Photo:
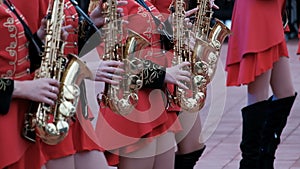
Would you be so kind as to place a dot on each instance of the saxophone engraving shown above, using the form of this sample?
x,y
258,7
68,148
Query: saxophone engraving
x,y
203,56
123,97
51,123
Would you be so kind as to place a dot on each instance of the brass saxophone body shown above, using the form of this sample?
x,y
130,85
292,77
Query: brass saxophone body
x,y
209,40
203,56
51,123
191,100
121,98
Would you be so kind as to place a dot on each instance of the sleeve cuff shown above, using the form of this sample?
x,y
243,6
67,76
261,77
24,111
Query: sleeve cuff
x,y
6,90
153,75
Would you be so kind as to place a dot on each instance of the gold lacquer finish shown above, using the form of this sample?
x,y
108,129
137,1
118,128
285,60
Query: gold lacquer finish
x,y
203,56
51,123
209,39
122,98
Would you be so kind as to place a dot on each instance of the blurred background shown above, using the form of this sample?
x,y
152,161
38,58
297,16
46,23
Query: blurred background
x,y
292,7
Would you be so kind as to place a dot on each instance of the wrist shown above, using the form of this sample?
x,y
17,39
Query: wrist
x,y
17,91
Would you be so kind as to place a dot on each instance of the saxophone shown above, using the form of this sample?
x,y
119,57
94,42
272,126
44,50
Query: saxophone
x,y
202,57
209,40
51,123
123,97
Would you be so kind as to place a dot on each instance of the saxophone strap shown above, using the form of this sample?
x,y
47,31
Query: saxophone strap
x,y
35,62
161,27
89,35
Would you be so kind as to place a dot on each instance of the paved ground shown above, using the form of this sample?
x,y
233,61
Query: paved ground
x,y
223,143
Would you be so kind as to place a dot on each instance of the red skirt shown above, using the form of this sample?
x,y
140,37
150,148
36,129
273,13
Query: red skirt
x,y
129,133
81,137
254,64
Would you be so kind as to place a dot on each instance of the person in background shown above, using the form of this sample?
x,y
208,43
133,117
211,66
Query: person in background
x,y
258,57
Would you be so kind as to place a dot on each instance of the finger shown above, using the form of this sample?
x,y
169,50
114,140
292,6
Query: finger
x,y
183,64
54,90
109,76
48,101
190,12
68,28
215,6
52,82
113,63
122,3
120,10
112,82
185,73
112,70
51,95
181,85
184,79
107,80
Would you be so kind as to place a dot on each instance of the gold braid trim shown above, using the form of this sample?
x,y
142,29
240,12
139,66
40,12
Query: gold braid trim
x,y
93,5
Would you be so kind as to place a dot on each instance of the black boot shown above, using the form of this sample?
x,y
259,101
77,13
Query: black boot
x,y
253,119
188,161
278,113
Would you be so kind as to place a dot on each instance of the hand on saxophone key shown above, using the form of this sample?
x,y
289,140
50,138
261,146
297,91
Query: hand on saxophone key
x,y
44,90
97,16
41,32
107,71
178,75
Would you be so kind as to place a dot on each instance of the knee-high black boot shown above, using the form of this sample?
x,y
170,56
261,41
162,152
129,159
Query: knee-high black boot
x,y
278,113
253,119
188,161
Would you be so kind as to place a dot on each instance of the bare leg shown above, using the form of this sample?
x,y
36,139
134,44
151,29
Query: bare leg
x,y
61,163
188,139
141,159
90,160
165,152
258,90
281,81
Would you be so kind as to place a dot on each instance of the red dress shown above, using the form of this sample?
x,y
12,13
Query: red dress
x,y
81,136
128,133
15,65
257,40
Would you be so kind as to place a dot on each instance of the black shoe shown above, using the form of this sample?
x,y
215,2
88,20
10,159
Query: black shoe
x,y
188,161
